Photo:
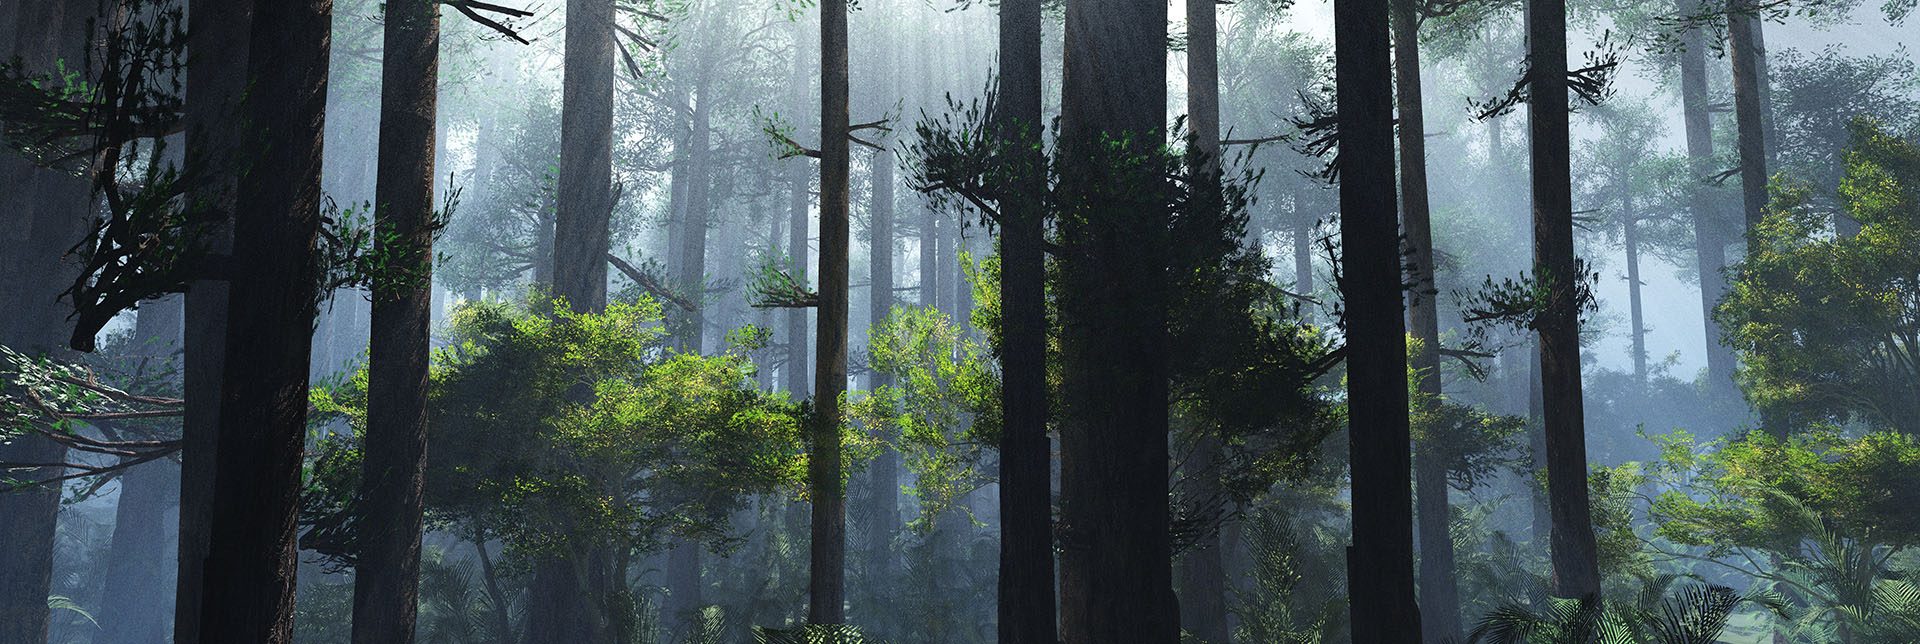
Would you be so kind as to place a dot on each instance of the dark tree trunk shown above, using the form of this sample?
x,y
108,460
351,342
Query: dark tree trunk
x,y
1439,595
1748,110
1576,571
826,585
1380,562
50,210
386,586
1203,576
252,554
581,225
1026,597
137,602
1116,560
1709,231
216,78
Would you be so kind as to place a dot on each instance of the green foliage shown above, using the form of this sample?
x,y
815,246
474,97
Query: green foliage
x,y
1660,613
1828,515
810,634
552,428
1755,491
942,409
1826,323
1297,593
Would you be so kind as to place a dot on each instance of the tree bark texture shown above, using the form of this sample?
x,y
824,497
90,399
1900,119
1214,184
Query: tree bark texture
x,y
391,500
252,552
1026,607
826,585
1439,594
216,79
1381,557
1576,571
1203,576
1116,576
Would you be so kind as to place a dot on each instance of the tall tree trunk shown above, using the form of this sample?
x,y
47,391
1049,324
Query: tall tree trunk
x,y
1439,595
1026,584
564,606
386,584
1630,235
1116,561
581,228
826,584
252,552
684,587
799,186
137,602
884,480
1576,571
1380,562
1709,231
1748,110
216,79
50,210
1203,575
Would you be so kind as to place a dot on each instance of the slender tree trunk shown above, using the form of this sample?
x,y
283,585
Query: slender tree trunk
x,y
685,596
1576,571
826,585
50,211
1026,585
1303,226
800,183
1630,235
502,620
1116,560
1381,558
216,79
137,602
884,480
1709,232
252,552
1203,575
386,584
1439,596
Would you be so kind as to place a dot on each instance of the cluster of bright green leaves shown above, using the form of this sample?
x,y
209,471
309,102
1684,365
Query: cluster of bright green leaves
x,y
551,428
1755,491
1473,443
942,410
1828,323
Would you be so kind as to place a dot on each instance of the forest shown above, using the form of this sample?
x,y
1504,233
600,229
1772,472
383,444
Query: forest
x,y
959,321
